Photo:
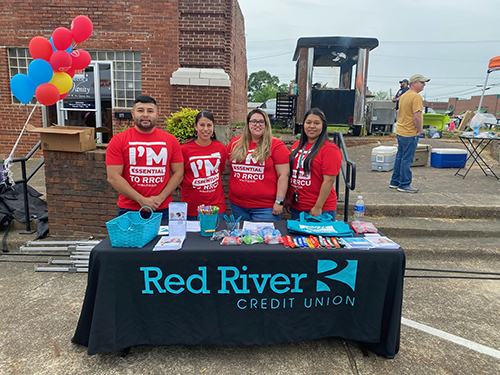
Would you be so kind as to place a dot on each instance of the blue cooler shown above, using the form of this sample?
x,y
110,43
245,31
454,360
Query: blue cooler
x,y
448,157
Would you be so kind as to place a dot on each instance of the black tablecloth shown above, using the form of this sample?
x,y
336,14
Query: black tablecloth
x,y
206,293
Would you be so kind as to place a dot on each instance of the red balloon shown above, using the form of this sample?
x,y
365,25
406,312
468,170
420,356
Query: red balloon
x,y
60,61
47,94
71,72
63,96
81,28
62,38
40,48
81,59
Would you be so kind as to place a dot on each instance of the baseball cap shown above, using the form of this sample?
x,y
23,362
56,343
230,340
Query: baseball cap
x,y
418,78
403,80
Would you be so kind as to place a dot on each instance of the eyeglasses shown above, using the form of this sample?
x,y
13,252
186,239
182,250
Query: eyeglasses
x,y
255,122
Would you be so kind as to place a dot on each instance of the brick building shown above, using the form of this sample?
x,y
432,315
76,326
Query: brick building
x,y
491,104
184,53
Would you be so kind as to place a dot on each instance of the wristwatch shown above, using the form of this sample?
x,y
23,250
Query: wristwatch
x,y
279,201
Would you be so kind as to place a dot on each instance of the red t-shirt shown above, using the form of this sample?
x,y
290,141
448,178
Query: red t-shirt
x,y
327,162
253,185
146,160
203,167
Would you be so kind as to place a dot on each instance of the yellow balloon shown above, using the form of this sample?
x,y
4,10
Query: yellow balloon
x,y
62,81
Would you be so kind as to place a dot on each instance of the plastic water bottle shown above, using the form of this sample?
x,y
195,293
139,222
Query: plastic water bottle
x,y
476,130
359,209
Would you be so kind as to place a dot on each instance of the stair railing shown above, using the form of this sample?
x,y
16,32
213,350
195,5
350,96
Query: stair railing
x,y
348,171
24,181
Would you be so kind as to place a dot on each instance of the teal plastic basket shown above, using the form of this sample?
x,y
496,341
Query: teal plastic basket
x,y
132,230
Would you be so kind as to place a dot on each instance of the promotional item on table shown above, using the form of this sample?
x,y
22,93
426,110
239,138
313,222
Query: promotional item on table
x,y
176,229
177,219
169,243
209,219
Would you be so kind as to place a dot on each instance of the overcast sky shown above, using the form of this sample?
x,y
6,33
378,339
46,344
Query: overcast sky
x,y
451,42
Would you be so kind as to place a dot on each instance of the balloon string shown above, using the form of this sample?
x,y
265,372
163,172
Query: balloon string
x,y
8,162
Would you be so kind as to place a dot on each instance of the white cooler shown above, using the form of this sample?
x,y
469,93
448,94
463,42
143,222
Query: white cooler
x,y
383,158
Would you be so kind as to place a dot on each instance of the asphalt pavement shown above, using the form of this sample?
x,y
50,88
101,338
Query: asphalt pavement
x,y
450,322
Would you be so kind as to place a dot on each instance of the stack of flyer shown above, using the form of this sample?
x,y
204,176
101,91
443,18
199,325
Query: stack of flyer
x,y
370,241
355,243
379,241
169,243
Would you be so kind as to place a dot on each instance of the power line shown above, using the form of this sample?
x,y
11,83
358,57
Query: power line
x,y
426,42
268,56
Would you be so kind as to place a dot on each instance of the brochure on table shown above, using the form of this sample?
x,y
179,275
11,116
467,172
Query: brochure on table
x,y
176,228
177,219
169,243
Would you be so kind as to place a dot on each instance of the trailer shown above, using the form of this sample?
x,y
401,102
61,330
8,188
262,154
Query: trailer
x,y
343,97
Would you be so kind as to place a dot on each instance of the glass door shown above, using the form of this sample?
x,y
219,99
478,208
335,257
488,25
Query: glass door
x,y
89,102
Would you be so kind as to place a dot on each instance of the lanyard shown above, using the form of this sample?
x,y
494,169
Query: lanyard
x,y
300,160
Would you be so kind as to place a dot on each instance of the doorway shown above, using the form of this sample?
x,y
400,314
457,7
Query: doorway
x,y
89,102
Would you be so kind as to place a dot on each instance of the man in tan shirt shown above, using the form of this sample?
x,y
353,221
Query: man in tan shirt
x,y
408,132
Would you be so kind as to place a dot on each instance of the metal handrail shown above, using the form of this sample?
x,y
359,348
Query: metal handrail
x,y
24,180
348,173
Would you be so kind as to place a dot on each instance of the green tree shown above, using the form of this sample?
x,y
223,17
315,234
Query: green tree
x,y
262,82
267,92
381,95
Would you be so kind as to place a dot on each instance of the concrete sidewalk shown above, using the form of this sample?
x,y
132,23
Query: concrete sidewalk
x,y
441,195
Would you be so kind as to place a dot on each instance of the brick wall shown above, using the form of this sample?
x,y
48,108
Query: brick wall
x,y
215,99
211,35
79,198
239,76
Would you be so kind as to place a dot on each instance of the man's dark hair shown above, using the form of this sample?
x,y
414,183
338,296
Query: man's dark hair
x,y
144,99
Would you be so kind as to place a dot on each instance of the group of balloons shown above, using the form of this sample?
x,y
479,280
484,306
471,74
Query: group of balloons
x,y
50,74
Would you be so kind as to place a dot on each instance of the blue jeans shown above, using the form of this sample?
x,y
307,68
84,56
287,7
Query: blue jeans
x,y
146,213
401,176
254,214
296,213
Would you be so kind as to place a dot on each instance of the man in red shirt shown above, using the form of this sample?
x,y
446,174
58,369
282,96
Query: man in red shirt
x,y
144,164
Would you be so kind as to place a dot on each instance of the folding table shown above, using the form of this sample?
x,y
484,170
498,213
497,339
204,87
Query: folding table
x,y
475,150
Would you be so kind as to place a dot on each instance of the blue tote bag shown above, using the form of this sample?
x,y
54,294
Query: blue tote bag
x,y
322,225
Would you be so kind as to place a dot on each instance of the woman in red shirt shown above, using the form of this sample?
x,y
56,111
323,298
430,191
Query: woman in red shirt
x,y
259,171
204,161
314,164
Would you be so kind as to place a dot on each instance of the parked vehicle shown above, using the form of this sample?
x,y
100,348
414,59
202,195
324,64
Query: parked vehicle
x,y
491,121
269,106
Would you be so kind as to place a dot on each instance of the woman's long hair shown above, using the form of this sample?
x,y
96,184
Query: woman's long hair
x,y
263,150
207,114
303,140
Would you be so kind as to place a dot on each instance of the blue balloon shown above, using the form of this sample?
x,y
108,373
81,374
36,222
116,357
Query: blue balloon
x,y
54,49
23,88
40,71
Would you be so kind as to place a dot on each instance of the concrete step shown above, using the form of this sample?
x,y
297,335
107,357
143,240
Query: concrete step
x,y
443,239
437,227
398,209
447,249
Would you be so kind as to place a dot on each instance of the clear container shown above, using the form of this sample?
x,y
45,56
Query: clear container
x,y
359,209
